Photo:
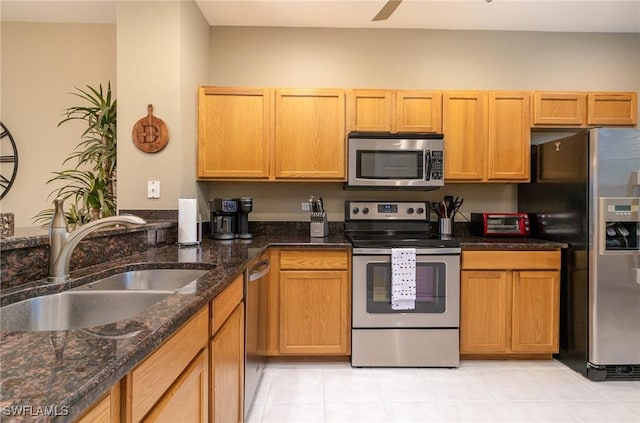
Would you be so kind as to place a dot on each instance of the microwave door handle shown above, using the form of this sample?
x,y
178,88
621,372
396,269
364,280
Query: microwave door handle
x,y
427,165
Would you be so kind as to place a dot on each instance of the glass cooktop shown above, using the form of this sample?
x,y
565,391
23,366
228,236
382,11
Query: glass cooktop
x,y
399,240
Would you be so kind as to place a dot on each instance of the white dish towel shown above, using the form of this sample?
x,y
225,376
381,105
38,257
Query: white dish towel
x,y
403,278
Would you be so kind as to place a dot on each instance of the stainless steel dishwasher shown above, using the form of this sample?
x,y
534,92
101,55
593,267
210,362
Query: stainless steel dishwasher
x,y
254,359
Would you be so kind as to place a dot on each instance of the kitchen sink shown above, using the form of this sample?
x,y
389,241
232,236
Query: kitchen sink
x,y
108,300
147,279
76,309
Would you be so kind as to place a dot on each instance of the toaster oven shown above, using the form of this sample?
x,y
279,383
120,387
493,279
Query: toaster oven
x,y
499,224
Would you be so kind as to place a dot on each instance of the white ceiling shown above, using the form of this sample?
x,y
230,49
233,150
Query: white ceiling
x,y
508,15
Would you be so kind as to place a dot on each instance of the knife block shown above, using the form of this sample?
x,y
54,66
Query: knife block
x,y
319,227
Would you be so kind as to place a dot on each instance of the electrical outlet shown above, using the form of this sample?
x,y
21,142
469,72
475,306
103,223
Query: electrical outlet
x,y
153,189
304,206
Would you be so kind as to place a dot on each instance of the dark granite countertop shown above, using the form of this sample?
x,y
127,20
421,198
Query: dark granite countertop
x,y
471,242
70,370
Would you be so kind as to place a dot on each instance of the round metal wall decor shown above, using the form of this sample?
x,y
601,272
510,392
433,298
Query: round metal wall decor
x,y
8,160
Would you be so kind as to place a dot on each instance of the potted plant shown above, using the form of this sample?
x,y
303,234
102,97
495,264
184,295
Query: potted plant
x,y
91,184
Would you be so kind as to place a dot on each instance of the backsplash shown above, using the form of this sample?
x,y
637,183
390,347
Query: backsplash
x,y
25,257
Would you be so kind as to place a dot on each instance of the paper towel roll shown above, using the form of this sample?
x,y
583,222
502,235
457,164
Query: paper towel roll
x,y
188,221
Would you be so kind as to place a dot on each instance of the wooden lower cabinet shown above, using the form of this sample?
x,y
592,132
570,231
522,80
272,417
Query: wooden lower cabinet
x,y
227,363
187,399
172,378
227,355
510,305
310,314
314,317
100,412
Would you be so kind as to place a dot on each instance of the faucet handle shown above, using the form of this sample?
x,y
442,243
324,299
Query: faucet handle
x,y
59,220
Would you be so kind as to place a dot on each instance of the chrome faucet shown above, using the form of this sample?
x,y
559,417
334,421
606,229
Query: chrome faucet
x,y
62,243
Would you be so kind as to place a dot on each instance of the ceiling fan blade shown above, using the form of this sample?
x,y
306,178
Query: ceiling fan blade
x,y
387,10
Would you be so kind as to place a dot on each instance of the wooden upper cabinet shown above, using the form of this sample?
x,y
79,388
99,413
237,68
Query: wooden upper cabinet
x,y
464,116
612,109
310,134
234,131
559,109
418,111
394,111
585,109
370,110
509,151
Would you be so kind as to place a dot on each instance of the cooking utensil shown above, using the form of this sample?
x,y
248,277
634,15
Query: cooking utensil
x,y
150,134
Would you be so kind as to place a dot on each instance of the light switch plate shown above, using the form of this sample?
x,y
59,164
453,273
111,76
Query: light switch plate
x,y
153,189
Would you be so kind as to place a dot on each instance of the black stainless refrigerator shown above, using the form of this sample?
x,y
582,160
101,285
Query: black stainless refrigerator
x,y
585,192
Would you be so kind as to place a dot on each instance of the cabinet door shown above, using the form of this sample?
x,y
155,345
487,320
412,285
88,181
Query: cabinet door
x,y
465,134
559,109
310,135
536,304
269,323
509,142
149,382
314,312
418,111
612,109
98,413
227,369
371,110
234,133
484,311
187,399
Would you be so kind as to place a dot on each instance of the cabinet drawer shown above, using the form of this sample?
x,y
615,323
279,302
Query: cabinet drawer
x,y
223,305
314,259
151,379
491,260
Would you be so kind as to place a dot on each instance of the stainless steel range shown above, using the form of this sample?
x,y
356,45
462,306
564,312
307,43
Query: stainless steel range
x,y
406,287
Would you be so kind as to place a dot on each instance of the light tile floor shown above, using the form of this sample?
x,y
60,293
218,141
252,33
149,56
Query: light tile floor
x,y
477,391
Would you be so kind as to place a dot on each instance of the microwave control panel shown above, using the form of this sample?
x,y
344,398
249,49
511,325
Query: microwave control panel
x,y
436,165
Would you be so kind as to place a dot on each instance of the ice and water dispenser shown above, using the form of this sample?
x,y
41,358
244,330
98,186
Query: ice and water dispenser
x,y
620,221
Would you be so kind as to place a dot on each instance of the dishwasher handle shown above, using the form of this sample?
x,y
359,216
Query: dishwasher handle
x,y
259,270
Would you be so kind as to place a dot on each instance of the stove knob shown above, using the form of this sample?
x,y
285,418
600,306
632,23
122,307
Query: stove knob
x,y
365,210
410,210
355,210
420,210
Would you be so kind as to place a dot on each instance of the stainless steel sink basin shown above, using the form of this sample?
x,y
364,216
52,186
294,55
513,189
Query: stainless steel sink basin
x,y
104,301
149,279
76,309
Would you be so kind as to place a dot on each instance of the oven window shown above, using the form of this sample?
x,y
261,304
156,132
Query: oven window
x,y
430,288
380,164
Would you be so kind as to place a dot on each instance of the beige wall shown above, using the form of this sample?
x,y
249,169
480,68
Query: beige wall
x,y
403,59
166,49
162,58
41,64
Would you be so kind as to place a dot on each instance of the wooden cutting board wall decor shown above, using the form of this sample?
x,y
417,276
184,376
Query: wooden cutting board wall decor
x,y
150,133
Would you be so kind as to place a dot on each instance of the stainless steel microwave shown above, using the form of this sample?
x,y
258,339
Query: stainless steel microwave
x,y
395,161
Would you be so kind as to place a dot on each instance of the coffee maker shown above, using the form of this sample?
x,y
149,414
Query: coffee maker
x,y
245,207
230,218
224,218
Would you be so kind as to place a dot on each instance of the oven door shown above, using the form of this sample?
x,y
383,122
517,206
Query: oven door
x,y
437,291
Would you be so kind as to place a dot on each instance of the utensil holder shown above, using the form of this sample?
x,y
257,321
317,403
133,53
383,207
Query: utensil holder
x,y
319,227
446,226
